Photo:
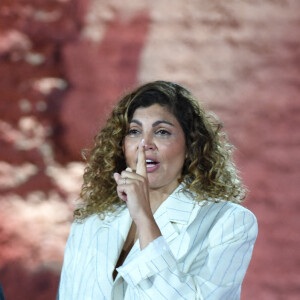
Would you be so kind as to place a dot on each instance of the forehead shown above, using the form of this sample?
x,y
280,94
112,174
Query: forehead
x,y
152,112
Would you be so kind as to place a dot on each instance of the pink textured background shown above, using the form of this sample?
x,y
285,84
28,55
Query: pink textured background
x,y
63,64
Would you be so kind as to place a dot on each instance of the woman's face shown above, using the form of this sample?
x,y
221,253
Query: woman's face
x,y
164,146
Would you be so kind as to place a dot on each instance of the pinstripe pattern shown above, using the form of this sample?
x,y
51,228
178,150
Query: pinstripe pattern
x,y
203,253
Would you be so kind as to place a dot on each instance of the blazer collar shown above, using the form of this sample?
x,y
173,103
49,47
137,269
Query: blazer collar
x,y
179,205
174,213
120,222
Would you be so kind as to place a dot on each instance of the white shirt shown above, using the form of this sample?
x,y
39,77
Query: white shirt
x,y
203,253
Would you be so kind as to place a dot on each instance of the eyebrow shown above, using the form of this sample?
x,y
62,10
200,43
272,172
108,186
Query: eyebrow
x,y
154,124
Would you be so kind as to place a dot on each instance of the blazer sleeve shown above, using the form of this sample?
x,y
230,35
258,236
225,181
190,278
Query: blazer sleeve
x,y
68,268
215,272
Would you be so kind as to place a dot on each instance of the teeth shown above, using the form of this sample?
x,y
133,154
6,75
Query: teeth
x,y
149,160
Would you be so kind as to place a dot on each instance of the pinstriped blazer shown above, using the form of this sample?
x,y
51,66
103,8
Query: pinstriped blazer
x,y
203,253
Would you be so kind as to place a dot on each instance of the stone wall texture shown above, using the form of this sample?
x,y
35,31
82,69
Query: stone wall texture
x,y
63,65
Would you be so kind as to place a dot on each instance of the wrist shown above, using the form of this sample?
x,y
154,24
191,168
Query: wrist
x,y
147,230
144,220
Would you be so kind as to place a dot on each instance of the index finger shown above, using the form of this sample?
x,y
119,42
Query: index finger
x,y
141,168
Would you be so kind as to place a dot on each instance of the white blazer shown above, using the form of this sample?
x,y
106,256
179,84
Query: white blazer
x,y
203,253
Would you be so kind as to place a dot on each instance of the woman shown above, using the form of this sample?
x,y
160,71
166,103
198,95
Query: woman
x,y
161,217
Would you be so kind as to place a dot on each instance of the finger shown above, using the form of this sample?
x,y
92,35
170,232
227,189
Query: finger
x,y
141,168
117,176
123,182
120,188
121,193
132,175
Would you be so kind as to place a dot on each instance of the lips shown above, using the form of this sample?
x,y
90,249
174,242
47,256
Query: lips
x,y
151,164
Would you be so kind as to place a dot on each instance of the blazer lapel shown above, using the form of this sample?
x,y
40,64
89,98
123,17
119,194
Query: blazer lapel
x,y
117,231
110,242
174,213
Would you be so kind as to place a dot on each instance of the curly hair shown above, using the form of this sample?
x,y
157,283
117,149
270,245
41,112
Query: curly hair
x,y
208,171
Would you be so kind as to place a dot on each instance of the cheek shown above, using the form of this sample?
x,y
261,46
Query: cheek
x,y
129,150
175,151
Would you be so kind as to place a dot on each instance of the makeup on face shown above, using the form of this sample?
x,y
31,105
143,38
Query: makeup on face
x,y
164,145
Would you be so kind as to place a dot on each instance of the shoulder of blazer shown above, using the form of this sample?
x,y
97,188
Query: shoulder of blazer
x,y
183,208
92,224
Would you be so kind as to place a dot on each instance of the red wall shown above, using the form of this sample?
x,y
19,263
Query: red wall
x,y
64,64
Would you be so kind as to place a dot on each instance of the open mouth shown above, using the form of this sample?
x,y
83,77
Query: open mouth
x,y
151,163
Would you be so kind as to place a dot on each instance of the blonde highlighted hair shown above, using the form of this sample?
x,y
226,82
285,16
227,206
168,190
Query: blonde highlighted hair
x,y
208,170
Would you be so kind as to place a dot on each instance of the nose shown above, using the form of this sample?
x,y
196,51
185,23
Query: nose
x,y
149,143
150,146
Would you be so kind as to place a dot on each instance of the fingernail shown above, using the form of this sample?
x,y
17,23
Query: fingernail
x,y
129,169
143,142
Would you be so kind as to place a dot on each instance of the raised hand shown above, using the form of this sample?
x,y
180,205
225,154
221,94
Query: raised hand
x,y
132,187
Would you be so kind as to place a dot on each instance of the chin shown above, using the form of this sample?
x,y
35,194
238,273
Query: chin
x,y
154,185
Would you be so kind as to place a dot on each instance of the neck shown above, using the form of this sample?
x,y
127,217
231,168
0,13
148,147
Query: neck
x,y
158,196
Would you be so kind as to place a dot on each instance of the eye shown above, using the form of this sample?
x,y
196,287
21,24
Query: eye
x,y
162,132
133,132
